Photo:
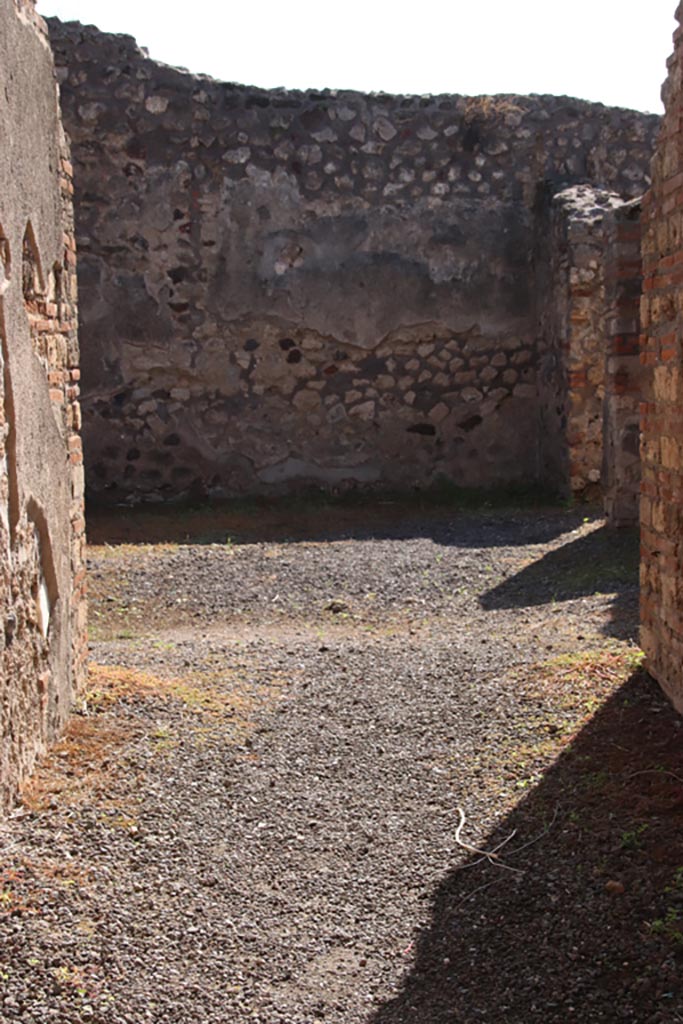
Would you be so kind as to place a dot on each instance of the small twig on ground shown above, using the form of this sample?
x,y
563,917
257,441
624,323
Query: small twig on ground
x,y
486,857
655,771
474,893
539,837
490,855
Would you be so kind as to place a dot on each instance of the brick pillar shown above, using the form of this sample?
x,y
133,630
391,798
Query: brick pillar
x,y
572,257
621,441
662,408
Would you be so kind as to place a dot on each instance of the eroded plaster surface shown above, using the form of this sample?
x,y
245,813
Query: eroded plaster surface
x,y
42,609
281,288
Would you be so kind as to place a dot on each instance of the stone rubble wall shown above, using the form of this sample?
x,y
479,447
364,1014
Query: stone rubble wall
x,y
42,565
623,372
662,416
280,288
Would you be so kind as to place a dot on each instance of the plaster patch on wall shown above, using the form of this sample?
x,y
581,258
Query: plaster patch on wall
x,y
32,280
43,606
4,468
10,429
5,270
46,592
5,262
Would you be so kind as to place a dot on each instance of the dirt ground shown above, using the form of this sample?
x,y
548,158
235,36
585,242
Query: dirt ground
x,y
368,765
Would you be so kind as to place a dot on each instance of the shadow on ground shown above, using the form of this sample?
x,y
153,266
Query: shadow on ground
x,y
472,521
601,561
604,561
586,921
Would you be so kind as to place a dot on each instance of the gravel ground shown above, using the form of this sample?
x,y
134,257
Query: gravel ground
x,y
255,815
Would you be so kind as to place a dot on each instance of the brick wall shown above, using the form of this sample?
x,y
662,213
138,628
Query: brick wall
x,y
662,408
42,538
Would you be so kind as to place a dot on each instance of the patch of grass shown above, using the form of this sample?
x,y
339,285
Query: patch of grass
x,y
22,883
489,107
670,924
631,839
122,549
528,782
108,685
568,690
125,822
669,927
73,977
84,767
676,885
89,765
583,679
163,738
200,692
596,780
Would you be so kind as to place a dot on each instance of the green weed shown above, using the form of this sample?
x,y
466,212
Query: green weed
x,y
631,840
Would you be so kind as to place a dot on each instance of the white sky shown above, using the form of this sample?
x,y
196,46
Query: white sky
x,y
614,51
